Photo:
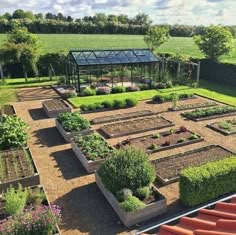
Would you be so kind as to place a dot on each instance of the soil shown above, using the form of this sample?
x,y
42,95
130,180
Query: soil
x,y
15,165
230,131
84,208
55,104
135,126
193,106
165,139
170,167
119,117
8,110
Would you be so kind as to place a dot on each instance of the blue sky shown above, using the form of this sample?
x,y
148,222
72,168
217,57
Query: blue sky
x,y
193,12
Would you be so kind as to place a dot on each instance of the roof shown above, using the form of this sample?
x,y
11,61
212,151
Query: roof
x,y
113,56
218,221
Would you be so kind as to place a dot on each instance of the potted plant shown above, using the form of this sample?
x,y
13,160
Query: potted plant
x,y
126,180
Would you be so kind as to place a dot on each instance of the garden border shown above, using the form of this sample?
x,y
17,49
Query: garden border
x,y
26,181
220,130
131,218
137,131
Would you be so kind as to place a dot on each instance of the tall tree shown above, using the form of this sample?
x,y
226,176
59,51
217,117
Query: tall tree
x,y
156,36
215,42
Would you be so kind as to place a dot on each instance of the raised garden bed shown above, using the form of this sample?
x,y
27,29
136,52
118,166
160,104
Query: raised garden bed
x,y
193,106
54,107
92,150
136,126
210,113
124,116
163,98
168,168
36,198
163,141
17,167
227,127
151,210
8,110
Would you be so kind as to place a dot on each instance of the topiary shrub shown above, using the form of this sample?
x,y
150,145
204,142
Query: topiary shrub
x,y
143,192
13,132
123,194
88,92
108,104
119,104
129,168
207,182
131,102
118,89
132,203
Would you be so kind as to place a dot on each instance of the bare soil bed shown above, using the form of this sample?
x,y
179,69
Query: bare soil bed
x,y
226,127
162,141
193,106
8,110
119,117
136,126
17,165
168,168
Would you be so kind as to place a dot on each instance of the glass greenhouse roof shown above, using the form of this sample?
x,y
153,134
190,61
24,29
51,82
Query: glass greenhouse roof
x,y
117,56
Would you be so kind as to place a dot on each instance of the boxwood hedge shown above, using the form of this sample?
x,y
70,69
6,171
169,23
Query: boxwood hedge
x,y
207,182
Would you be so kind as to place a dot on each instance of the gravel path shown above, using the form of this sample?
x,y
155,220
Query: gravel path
x,y
85,209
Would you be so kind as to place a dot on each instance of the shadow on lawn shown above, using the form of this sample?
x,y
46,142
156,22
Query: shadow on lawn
x,y
37,114
68,164
86,210
48,137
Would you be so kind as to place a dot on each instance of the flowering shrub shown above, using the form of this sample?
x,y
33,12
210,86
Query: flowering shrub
x,y
133,88
103,90
42,220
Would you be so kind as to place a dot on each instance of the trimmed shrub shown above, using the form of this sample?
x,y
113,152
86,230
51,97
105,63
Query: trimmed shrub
x,y
132,88
170,97
123,194
120,104
207,182
132,203
118,89
143,192
108,103
131,102
129,168
103,90
88,92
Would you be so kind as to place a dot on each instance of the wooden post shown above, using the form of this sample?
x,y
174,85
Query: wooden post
x,y
198,73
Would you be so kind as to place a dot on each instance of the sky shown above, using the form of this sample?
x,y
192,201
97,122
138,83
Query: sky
x,y
191,12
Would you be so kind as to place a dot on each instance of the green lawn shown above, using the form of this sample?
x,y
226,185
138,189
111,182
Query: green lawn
x,y
221,93
65,42
7,95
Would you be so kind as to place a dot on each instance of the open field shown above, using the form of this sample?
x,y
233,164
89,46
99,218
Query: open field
x,y
64,42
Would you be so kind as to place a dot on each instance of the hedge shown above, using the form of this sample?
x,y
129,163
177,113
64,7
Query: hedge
x,y
207,182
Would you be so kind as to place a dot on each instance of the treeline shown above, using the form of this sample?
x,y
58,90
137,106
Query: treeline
x,y
100,23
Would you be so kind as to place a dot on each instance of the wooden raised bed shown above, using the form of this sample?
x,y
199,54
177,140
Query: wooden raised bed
x,y
193,106
8,110
45,202
124,116
168,168
215,126
136,126
131,218
55,106
69,135
166,140
89,165
17,167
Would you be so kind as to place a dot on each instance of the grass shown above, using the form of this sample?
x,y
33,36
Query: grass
x,y
65,42
7,95
211,90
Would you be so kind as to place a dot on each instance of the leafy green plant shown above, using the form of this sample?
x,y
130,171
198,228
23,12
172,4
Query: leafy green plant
x,y
129,168
153,146
156,136
143,192
35,196
207,182
194,137
93,146
132,203
225,125
181,140
161,98
13,132
88,92
73,122
123,194
118,89
119,104
108,104
15,200
131,102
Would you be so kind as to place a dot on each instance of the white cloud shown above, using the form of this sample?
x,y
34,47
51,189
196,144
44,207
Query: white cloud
x,y
161,11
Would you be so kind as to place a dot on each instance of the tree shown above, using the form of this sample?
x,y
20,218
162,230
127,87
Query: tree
x,y
215,41
142,19
18,14
156,36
